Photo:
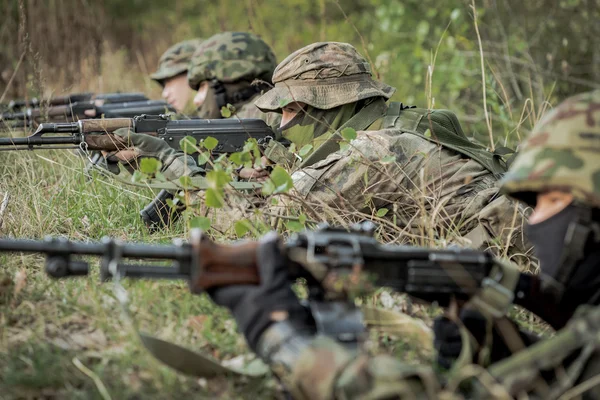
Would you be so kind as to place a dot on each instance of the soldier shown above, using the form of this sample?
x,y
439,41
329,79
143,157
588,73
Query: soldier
x,y
417,164
557,173
227,68
171,74
231,68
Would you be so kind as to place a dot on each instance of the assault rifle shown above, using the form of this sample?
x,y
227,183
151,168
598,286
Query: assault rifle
x,y
100,99
87,109
95,134
428,274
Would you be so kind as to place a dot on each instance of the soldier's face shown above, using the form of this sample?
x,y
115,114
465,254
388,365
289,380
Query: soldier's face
x,y
177,92
200,96
290,111
549,204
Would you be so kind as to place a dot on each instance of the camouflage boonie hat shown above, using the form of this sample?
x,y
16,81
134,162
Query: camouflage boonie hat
x,y
563,153
175,60
231,56
324,75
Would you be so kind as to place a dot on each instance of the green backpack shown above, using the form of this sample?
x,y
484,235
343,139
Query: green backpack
x,y
438,126
442,127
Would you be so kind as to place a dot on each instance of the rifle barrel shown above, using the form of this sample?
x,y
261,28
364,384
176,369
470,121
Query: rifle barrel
x,y
61,245
32,141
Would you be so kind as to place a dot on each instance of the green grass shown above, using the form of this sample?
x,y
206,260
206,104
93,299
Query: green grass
x,y
46,324
49,329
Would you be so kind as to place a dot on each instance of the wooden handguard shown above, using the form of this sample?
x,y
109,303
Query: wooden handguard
x,y
105,125
222,265
106,142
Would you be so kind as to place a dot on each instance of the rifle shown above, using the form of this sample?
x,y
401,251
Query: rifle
x,y
78,110
100,99
428,274
94,134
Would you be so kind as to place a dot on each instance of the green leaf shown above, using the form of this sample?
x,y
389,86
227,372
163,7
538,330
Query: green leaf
x,y
188,144
294,226
344,146
200,223
218,178
388,159
236,158
349,134
241,227
150,166
305,150
268,187
382,212
210,143
213,198
203,157
225,112
302,219
274,201
427,133
186,182
281,180
292,148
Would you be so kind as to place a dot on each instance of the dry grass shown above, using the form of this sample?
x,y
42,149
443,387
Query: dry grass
x,y
69,339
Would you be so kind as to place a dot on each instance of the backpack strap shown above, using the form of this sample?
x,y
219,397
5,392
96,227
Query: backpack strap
x,y
442,127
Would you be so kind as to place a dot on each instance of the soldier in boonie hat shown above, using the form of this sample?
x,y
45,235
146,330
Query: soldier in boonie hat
x,y
323,75
171,74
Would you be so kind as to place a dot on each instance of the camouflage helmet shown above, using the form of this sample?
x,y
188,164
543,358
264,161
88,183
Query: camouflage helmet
x,y
231,56
324,75
563,153
175,60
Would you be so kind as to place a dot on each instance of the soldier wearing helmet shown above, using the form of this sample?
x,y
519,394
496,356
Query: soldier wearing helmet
x,y
230,68
557,173
171,74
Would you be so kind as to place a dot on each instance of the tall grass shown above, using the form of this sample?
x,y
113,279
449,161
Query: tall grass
x,y
68,339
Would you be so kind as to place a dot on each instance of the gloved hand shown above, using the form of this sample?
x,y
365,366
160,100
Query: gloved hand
x,y
447,338
256,307
175,163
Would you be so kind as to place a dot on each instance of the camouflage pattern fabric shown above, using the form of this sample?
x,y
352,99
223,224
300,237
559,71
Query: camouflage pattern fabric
x,y
229,57
249,110
420,186
324,75
326,370
562,153
175,60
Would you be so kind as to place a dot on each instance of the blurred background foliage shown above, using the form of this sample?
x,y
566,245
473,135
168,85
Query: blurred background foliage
x,y
535,52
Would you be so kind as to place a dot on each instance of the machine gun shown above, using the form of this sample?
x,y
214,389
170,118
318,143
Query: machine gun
x,y
95,134
86,109
428,274
99,98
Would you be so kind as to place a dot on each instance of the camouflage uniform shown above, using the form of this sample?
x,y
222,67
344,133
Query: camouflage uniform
x,y
175,60
237,66
563,154
424,186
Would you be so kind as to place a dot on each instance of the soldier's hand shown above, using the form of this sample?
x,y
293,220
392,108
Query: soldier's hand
x,y
448,340
256,307
175,163
260,173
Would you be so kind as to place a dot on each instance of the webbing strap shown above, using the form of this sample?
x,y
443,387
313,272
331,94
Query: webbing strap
x,y
419,121
360,121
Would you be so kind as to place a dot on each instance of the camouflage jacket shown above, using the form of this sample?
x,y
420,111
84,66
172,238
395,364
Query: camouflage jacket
x,y
413,186
566,365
